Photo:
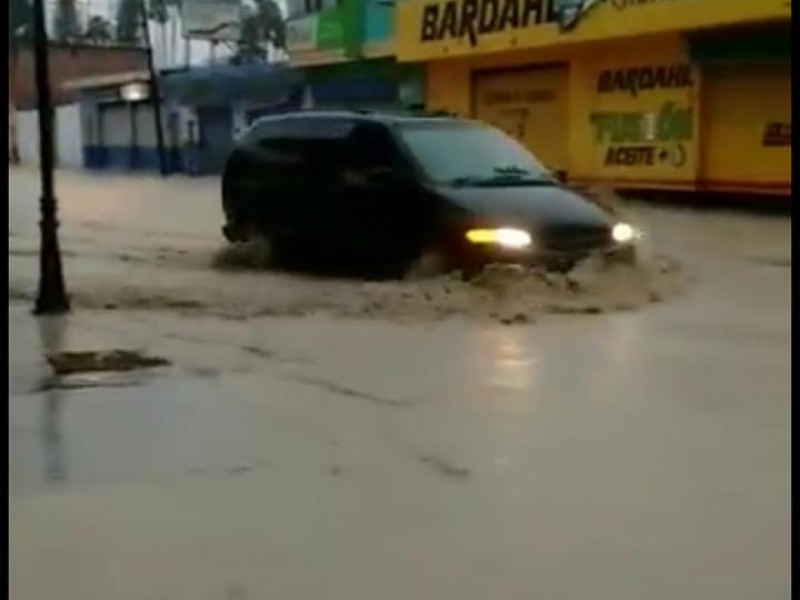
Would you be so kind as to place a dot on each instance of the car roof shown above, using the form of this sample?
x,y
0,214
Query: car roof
x,y
383,116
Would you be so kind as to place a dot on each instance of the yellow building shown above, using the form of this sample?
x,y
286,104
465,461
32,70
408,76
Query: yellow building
x,y
668,94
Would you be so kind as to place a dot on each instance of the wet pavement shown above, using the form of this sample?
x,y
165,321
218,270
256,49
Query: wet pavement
x,y
620,456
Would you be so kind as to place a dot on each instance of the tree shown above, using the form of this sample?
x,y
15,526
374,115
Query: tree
x,y
260,24
66,25
158,10
271,23
129,21
98,30
249,49
20,23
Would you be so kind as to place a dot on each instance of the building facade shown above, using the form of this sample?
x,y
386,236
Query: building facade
x,y
654,94
202,112
117,123
346,51
217,103
67,62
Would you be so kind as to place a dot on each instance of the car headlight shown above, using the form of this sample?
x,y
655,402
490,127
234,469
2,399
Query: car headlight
x,y
624,233
507,237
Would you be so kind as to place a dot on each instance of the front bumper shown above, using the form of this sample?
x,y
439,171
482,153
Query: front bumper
x,y
474,257
555,248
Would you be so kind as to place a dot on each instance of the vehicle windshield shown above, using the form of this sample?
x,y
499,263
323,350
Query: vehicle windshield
x,y
472,154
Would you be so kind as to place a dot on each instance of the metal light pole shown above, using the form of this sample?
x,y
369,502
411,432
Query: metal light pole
x,y
52,297
155,93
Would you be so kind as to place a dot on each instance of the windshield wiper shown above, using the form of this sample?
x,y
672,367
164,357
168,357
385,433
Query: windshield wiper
x,y
511,171
504,179
467,180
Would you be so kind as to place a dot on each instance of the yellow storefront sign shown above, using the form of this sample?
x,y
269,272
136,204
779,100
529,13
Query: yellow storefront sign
x,y
431,29
635,121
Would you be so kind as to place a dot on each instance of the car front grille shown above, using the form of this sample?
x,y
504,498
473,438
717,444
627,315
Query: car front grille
x,y
574,239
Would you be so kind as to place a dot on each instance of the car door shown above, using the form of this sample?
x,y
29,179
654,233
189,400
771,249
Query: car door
x,y
293,179
273,175
316,205
379,211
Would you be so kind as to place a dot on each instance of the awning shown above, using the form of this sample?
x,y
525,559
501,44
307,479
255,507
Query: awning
x,y
101,81
354,90
769,43
275,106
373,81
223,84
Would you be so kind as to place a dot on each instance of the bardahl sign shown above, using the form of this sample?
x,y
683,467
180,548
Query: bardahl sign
x,y
644,78
456,19
626,4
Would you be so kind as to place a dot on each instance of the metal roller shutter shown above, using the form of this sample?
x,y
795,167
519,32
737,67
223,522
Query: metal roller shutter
x,y
746,135
116,133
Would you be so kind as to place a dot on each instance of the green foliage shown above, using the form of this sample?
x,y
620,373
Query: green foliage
x,y
158,10
65,22
20,22
262,24
98,30
272,25
129,21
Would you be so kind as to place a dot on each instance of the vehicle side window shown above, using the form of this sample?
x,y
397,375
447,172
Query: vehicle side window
x,y
371,146
282,150
315,145
302,128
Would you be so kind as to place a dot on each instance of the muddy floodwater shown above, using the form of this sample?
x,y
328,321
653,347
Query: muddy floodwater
x,y
617,434
138,249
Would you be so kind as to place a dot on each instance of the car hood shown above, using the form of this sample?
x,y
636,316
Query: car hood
x,y
542,206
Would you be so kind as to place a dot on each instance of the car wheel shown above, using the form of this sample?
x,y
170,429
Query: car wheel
x,y
429,264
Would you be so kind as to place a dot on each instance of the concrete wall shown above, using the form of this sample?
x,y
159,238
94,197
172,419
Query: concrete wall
x,y
28,136
68,136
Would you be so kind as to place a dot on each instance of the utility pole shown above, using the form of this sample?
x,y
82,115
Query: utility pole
x,y
155,94
52,297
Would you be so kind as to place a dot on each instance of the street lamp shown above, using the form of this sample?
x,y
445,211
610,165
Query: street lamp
x,y
52,297
155,96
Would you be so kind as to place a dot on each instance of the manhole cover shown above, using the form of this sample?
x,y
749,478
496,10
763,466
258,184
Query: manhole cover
x,y
68,363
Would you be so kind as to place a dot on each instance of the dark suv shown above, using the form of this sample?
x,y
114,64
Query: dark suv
x,y
406,193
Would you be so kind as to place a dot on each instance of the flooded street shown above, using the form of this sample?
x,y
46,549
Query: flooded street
x,y
325,438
